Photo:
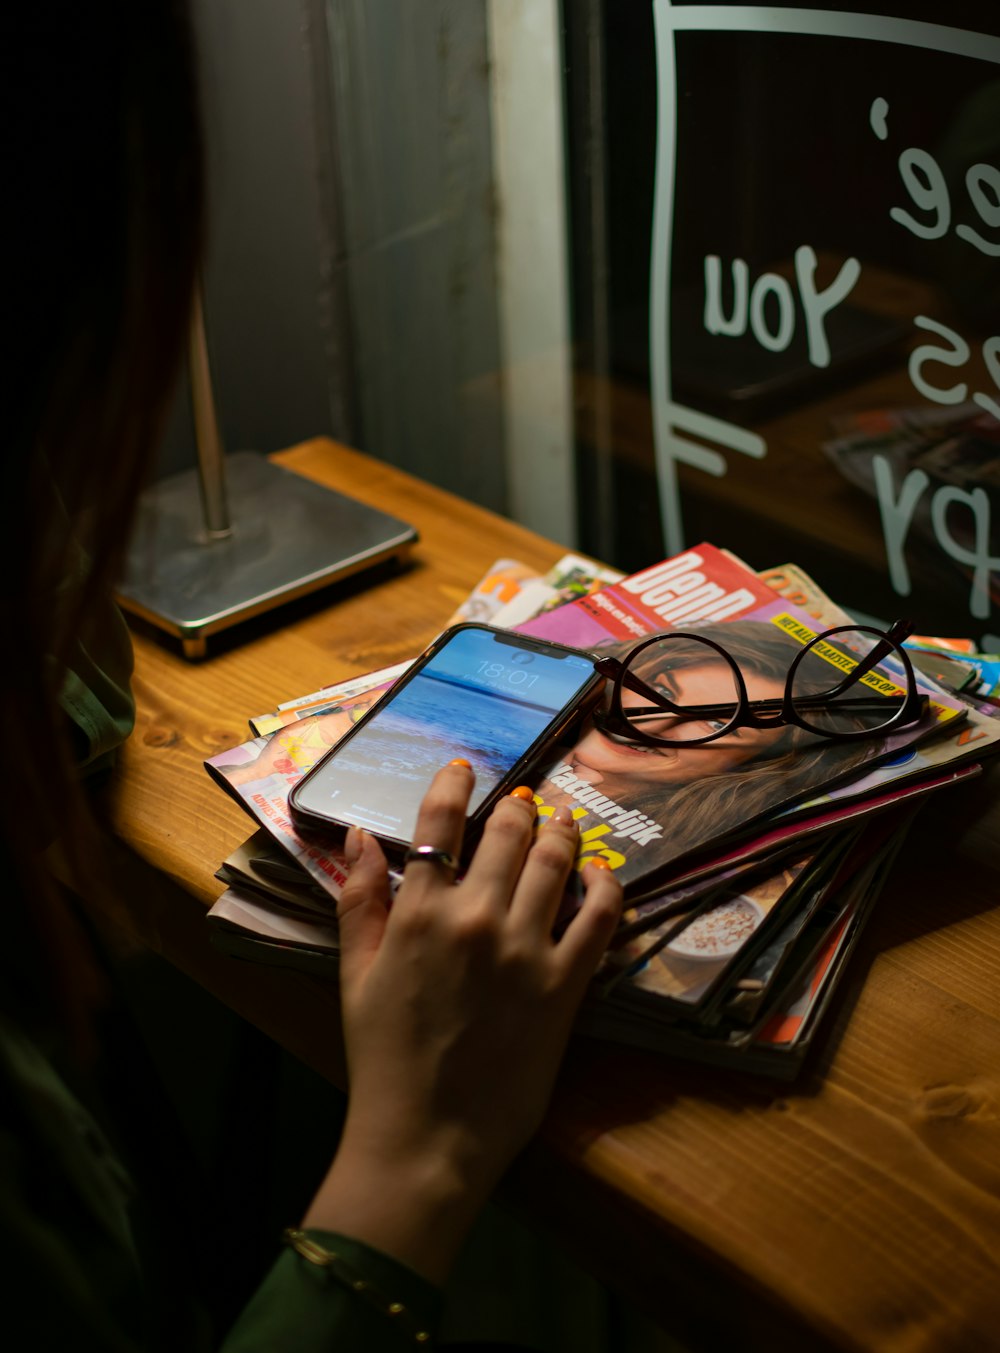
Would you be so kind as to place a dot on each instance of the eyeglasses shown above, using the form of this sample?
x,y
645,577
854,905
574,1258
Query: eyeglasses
x,y
691,690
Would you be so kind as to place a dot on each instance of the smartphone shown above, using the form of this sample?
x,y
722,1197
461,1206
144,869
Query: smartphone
x,y
496,698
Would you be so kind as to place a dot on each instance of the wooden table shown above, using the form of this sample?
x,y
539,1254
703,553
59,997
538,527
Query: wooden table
x,y
858,1209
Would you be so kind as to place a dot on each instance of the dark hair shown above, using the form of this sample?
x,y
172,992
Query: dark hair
x,y
791,765
103,163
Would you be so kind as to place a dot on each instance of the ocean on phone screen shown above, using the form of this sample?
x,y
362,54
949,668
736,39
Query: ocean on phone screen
x,y
432,721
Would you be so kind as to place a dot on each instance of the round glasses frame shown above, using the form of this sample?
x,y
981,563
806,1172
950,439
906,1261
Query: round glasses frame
x,y
772,713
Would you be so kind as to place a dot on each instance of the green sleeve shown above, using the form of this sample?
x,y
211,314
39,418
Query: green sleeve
x,y
71,1274
302,1308
96,692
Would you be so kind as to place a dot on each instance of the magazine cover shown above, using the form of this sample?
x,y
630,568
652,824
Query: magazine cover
x,y
573,577
259,774
643,809
498,587
682,959
699,585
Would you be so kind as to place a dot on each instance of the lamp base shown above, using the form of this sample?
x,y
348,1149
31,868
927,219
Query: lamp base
x,y
289,537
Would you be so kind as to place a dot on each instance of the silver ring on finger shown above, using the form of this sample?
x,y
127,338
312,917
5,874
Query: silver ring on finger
x,y
433,855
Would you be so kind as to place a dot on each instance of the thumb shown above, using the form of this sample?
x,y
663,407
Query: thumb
x,y
363,905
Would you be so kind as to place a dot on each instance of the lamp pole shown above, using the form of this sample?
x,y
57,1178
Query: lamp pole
x,y
239,535
211,455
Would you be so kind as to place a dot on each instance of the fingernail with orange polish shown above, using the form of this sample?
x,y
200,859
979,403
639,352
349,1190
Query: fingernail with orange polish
x,y
461,761
523,792
598,863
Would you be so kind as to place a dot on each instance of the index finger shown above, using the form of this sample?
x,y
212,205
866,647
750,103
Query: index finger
x,y
441,819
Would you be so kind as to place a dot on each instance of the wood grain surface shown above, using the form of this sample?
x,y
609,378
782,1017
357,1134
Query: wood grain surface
x,y
857,1209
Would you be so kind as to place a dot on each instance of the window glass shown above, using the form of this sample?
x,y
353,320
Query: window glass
x,y
785,231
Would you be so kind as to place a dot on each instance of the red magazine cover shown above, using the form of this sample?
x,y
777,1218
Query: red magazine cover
x,y
702,584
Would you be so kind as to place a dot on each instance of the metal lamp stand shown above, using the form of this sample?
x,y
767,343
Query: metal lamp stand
x,y
239,535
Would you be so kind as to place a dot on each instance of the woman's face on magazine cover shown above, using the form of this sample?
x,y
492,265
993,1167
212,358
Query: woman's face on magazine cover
x,y
597,755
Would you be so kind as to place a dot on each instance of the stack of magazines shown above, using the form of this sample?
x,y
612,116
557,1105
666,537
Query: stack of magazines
x,y
749,863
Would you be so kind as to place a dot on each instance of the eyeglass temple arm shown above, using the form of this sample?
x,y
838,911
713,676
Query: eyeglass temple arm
x,y
638,715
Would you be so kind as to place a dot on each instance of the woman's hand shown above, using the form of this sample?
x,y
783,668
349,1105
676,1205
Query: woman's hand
x,y
457,1005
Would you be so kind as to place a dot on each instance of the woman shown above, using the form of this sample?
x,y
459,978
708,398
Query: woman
x,y
458,996
697,792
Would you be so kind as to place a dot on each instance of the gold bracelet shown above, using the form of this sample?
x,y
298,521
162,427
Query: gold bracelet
x,y
339,1267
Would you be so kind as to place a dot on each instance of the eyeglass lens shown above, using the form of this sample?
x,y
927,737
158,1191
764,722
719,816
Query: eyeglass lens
x,y
833,694
691,690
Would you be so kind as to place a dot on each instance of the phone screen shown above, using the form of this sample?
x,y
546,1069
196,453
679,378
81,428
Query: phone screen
x,y
482,696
